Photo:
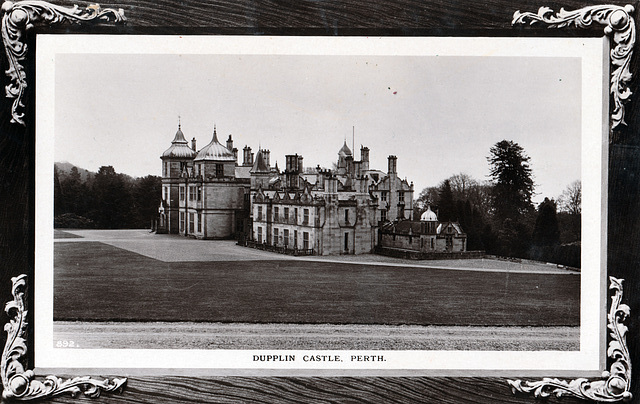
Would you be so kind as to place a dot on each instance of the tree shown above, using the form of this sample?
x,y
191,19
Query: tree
x,y
513,180
462,185
571,199
147,193
446,203
570,212
545,232
112,199
427,197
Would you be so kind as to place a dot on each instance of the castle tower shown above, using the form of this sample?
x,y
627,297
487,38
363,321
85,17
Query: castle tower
x,y
176,161
215,160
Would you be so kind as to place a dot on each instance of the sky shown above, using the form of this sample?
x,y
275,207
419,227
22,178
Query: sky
x,y
438,115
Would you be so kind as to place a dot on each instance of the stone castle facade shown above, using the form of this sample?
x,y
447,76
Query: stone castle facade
x,y
209,194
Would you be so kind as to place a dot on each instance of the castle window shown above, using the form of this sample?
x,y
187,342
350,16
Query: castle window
x,y
305,221
346,217
199,194
383,215
192,193
191,222
276,213
199,222
295,215
166,193
259,234
275,236
295,239
219,170
286,237
286,214
400,196
259,213
346,241
383,195
432,244
181,221
182,192
305,240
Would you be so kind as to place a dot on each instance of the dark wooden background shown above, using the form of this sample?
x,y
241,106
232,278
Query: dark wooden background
x,y
319,17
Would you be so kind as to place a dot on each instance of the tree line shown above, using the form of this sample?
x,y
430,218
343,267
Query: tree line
x,y
105,200
498,215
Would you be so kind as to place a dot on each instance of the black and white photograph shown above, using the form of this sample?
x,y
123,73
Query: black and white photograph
x,y
359,200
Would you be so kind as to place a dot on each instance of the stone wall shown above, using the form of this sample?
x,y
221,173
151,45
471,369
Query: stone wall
x,y
417,255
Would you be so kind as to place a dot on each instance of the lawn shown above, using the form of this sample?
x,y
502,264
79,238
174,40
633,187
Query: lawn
x,y
95,281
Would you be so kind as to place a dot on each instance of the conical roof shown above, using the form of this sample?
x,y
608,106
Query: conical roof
x,y
260,165
215,151
179,147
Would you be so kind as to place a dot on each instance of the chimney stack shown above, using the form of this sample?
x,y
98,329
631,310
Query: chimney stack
x,y
393,165
364,154
246,156
193,144
230,143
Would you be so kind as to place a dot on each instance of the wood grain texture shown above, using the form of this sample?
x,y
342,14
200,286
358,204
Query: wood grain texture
x,y
314,390
336,17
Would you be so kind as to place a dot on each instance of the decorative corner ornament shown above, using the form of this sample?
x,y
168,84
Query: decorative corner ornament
x,y
619,26
20,384
616,385
22,16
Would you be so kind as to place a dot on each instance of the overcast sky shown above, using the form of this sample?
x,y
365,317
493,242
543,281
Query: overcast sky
x,y
438,115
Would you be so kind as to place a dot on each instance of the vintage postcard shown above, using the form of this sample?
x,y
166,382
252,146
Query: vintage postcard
x,y
304,204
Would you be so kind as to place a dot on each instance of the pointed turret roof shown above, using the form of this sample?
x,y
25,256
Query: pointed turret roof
x,y
179,147
345,151
215,151
260,165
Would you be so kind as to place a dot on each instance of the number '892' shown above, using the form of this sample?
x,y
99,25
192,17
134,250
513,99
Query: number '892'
x,y
66,344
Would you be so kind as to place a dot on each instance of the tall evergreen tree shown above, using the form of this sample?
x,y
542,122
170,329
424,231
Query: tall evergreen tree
x,y
512,209
446,204
513,180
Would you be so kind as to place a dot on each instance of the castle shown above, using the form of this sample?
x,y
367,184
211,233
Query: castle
x,y
209,194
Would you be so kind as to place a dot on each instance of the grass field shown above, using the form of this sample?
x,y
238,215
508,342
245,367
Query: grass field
x,y
94,281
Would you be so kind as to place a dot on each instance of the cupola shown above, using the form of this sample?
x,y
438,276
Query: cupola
x,y
215,151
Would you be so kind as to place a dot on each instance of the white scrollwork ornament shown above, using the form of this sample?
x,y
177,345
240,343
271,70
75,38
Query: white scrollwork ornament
x,y
22,385
616,383
619,26
22,16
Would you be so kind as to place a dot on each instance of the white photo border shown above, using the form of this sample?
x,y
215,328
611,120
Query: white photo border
x,y
590,361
